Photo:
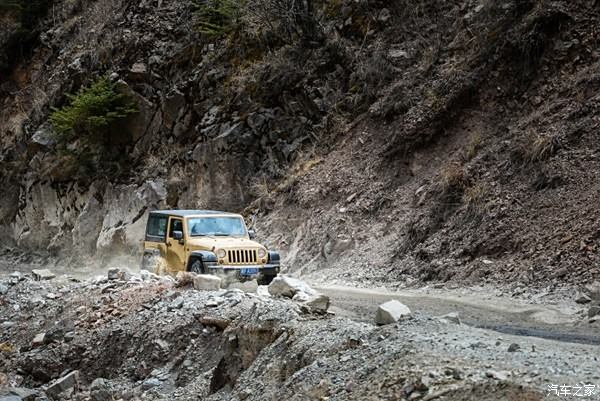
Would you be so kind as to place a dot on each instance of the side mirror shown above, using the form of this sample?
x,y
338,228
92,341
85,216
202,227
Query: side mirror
x,y
178,235
251,234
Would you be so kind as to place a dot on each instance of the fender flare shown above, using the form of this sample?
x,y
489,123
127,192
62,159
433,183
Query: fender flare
x,y
204,256
274,257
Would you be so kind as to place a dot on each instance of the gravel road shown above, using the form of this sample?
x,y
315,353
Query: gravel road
x,y
508,316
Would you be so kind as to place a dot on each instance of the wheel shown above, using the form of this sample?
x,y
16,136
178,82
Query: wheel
x,y
196,266
266,280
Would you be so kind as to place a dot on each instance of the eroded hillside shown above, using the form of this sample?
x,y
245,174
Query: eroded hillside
x,y
371,141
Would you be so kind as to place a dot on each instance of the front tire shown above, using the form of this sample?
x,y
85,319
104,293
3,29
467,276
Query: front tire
x,y
196,266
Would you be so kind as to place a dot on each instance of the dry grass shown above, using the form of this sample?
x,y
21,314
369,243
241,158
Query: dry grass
x,y
453,177
297,171
474,197
537,147
472,147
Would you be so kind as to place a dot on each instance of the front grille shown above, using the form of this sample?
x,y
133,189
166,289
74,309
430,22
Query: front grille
x,y
242,256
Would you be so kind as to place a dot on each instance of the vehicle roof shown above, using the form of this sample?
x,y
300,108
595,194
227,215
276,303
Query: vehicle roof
x,y
184,213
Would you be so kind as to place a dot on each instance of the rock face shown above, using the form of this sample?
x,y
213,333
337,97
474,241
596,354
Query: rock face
x,y
391,312
207,282
182,107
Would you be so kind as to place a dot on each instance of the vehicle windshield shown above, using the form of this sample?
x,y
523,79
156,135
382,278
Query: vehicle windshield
x,y
216,226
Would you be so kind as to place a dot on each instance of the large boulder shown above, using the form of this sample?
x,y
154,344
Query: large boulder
x,y
283,286
42,274
207,282
318,303
391,312
67,382
299,291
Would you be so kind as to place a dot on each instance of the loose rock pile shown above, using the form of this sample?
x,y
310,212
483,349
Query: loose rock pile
x,y
124,336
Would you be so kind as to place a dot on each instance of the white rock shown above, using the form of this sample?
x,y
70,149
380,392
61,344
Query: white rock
x,y
43,274
246,286
39,339
301,296
148,276
283,286
501,375
207,282
391,312
453,317
263,291
318,303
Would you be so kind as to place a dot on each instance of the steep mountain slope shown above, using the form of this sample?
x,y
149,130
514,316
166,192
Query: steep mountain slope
x,y
374,141
482,168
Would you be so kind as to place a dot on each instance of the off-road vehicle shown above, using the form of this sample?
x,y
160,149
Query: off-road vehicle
x,y
206,242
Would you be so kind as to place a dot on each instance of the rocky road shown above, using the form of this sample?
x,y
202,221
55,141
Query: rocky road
x,y
558,321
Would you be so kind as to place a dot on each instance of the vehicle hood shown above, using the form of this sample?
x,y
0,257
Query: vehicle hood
x,y
210,243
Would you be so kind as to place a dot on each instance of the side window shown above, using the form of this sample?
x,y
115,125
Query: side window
x,y
157,228
176,225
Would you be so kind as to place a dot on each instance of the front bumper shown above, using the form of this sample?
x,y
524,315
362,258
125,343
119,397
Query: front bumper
x,y
236,270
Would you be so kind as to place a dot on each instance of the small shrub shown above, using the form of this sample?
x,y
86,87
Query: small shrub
x,y
90,113
217,17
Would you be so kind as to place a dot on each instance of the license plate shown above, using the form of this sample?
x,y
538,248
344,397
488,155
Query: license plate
x,y
248,271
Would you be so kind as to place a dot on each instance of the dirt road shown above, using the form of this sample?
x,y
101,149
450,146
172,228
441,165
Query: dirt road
x,y
507,316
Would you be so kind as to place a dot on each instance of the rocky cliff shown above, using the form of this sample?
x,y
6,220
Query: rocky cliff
x,y
369,140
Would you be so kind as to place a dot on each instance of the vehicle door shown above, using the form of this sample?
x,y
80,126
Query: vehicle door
x,y
175,245
156,234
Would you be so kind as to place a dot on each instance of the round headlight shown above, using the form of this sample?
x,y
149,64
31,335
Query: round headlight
x,y
221,253
262,253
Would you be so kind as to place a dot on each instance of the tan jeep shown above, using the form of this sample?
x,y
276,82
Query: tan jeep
x,y
206,242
